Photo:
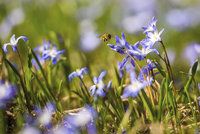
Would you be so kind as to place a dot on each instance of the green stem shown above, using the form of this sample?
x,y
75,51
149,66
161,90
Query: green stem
x,y
167,60
20,60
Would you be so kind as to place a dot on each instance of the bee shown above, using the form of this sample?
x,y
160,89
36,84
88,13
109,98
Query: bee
x,y
105,37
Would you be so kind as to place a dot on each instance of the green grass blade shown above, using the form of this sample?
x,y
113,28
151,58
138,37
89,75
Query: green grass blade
x,y
147,104
161,99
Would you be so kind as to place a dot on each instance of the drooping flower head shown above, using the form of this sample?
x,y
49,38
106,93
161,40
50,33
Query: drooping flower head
x,y
52,54
99,88
7,92
78,73
13,42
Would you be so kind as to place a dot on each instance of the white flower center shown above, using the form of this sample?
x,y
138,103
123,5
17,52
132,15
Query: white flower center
x,y
53,52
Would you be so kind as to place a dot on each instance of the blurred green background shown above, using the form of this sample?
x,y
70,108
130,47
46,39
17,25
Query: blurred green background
x,y
80,22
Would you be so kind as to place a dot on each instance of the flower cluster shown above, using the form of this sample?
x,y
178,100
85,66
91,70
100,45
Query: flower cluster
x,y
135,52
140,49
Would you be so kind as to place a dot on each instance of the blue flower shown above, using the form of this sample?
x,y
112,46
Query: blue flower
x,y
99,88
7,92
126,60
146,70
155,36
141,53
45,115
52,54
85,117
151,31
13,42
133,89
120,71
136,85
78,73
121,45
151,26
45,46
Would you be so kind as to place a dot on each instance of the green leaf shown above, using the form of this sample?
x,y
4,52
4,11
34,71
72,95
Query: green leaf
x,y
147,104
29,59
161,99
13,68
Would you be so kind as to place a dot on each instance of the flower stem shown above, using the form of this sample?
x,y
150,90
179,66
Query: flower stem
x,y
138,66
167,60
168,66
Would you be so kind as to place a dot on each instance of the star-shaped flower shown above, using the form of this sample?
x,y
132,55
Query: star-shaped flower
x,y
150,26
151,31
121,45
99,88
155,35
52,54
